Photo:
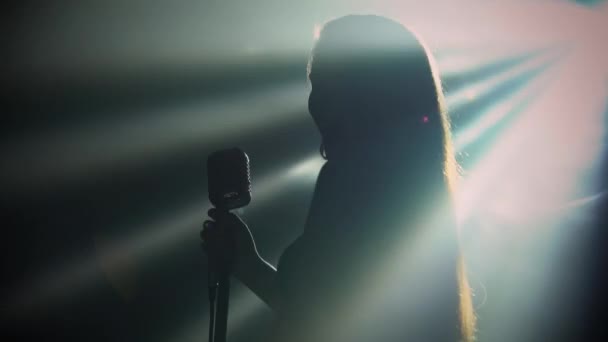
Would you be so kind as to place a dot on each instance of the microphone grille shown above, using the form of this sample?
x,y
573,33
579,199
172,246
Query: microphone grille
x,y
229,179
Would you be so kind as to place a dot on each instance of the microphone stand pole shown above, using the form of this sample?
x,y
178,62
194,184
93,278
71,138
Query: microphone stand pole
x,y
219,285
223,295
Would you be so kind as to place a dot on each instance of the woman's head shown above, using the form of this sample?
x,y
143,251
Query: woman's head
x,y
373,83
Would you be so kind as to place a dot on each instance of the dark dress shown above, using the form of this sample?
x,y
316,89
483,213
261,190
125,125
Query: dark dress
x,y
364,269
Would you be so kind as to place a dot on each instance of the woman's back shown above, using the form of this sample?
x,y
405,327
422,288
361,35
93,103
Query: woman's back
x,y
354,273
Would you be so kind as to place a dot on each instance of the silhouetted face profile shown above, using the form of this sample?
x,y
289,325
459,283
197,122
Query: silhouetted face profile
x,y
373,88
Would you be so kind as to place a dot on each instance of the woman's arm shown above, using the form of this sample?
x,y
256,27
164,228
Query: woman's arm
x,y
249,267
261,278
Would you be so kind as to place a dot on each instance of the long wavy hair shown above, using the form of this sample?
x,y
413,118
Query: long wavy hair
x,y
371,77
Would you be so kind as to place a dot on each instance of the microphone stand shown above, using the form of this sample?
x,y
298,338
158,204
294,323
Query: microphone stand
x,y
221,255
223,295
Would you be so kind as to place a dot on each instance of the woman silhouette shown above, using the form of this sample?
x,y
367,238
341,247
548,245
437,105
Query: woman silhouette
x,y
378,259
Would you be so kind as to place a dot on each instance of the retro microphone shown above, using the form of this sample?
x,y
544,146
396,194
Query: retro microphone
x,y
229,185
228,179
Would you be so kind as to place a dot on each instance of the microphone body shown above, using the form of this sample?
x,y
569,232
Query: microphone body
x,y
229,179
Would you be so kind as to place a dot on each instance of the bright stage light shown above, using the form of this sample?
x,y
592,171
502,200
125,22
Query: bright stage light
x,y
499,110
459,63
541,160
478,89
